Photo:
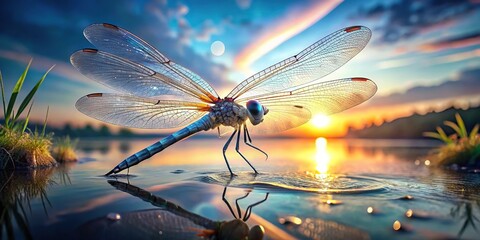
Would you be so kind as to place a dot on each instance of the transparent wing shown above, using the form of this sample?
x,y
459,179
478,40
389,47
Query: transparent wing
x,y
281,118
131,111
292,108
128,77
120,42
316,61
224,130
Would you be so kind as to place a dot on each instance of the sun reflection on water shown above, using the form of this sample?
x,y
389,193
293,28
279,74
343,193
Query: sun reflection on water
x,y
322,157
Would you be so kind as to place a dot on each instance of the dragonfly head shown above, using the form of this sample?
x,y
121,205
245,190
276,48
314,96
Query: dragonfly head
x,y
238,229
256,111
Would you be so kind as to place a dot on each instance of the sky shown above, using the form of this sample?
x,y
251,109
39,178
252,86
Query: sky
x,y
423,55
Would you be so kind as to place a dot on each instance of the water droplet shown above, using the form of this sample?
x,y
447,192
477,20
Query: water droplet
x,y
418,214
370,210
160,232
427,162
290,220
332,202
406,197
397,225
417,162
114,216
409,213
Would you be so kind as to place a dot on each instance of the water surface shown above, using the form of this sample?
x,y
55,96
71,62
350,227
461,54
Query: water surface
x,y
327,184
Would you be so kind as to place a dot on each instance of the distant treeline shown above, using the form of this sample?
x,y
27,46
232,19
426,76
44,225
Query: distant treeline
x,y
86,131
89,131
415,125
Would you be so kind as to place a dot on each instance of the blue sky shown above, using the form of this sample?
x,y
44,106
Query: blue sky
x,y
415,44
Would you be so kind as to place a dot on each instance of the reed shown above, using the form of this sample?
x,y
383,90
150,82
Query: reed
x,y
19,146
64,149
461,148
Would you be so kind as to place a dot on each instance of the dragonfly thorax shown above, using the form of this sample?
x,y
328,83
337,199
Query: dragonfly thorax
x,y
228,113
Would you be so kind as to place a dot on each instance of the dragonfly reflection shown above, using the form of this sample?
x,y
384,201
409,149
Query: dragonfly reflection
x,y
174,221
158,93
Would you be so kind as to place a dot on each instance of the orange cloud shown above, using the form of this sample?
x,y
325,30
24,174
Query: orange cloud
x,y
449,44
456,57
284,30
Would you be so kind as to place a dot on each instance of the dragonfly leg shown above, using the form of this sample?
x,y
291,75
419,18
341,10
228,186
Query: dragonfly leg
x,y
249,143
228,204
238,206
248,211
225,150
246,134
237,148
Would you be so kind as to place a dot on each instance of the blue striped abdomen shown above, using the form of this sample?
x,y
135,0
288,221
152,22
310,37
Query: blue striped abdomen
x,y
204,123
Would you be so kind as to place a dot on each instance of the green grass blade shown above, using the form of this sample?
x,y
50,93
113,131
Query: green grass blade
x,y
15,92
461,124
444,136
474,131
454,126
9,124
30,95
433,135
3,95
45,122
27,118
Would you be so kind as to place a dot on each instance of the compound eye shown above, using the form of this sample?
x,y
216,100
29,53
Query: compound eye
x,y
254,107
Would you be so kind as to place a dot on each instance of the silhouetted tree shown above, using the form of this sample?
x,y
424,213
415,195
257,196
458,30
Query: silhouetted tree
x,y
124,132
104,131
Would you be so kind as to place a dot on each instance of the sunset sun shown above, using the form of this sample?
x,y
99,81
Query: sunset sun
x,y
320,121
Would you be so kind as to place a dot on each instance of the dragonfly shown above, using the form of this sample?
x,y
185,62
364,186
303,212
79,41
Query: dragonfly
x,y
153,92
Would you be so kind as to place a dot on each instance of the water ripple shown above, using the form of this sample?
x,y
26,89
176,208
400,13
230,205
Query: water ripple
x,y
304,182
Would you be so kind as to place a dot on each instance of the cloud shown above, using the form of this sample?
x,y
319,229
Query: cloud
x,y
406,18
466,84
283,30
243,4
456,57
56,35
395,63
182,10
207,30
449,58
456,42
184,32
42,64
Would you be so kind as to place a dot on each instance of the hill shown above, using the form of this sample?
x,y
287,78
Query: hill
x,y
414,125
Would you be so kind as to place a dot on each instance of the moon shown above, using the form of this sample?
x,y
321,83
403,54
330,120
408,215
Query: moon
x,y
217,48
